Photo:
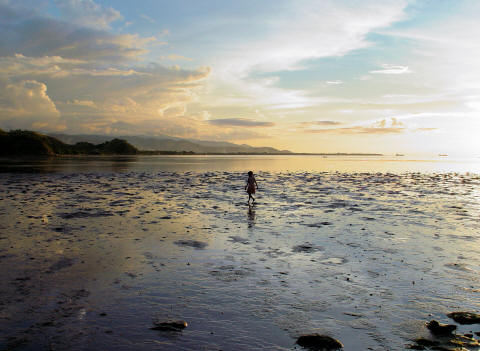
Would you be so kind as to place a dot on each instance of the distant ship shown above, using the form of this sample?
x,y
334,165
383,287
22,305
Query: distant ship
x,y
399,155
443,155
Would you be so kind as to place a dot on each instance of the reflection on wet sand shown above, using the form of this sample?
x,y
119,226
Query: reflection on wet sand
x,y
90,260
251,215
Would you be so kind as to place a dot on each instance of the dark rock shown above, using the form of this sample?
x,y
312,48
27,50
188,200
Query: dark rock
x,y
170,325
416,347
426,342
318,225
307,248
319,342
439,328
465,317
192,243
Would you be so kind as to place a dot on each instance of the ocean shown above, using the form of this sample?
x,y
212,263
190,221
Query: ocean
x,y
241,163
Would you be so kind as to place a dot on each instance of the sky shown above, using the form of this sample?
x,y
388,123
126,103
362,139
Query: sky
x,y
307,76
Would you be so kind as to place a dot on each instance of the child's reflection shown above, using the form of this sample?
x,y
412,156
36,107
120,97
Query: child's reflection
x,y
251,216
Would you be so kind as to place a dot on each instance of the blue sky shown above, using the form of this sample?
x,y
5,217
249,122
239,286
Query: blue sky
x,y
309,76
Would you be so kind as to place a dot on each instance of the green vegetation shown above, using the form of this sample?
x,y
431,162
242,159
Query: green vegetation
x,y
28,143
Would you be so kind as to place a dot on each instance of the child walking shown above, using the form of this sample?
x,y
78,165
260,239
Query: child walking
x,y
251,185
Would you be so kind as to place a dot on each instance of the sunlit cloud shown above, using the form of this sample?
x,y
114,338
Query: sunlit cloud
x,y
176,57
240,122
392,69
25,104
321,123
333,82
383,126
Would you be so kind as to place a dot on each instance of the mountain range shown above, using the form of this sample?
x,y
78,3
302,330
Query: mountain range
x,y
167,143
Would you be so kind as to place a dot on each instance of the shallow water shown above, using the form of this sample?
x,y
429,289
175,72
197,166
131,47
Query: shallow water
x,y
240,163
90,259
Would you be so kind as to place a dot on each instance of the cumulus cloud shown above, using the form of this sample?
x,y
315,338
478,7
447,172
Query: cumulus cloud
x,y
392,69
88,13
240,122
26,104
94,78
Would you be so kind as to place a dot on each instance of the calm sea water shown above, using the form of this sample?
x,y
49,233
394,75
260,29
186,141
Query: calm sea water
x,y
271,163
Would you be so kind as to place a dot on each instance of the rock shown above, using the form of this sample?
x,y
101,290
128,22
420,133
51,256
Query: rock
x,y
426,342
171,325
192,243
416,347
439,328
465,317
319,342
307,248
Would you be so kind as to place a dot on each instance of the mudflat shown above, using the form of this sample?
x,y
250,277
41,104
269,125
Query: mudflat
x,y
97,260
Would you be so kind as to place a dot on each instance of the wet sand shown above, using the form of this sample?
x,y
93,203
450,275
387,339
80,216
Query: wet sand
x,y
91,260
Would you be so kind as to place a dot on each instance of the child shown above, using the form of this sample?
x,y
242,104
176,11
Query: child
x,y
251,185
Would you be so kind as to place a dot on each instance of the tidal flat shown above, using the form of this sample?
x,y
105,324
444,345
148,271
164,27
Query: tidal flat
x,y
92,260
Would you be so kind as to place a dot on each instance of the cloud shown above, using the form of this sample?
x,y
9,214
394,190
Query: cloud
x,y
321,123
147,18
358,130
380,127
392,69
333,82
93,76
240,122
26,104
30,34
291,38
175,57
87,13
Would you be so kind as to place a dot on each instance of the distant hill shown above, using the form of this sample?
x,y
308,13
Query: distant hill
x,y
28,143
172,144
